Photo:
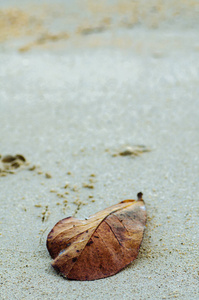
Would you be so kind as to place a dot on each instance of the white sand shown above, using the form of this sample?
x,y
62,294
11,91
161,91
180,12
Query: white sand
x,y
61,106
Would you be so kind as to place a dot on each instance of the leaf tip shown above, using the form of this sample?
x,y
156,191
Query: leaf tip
x,y
139,195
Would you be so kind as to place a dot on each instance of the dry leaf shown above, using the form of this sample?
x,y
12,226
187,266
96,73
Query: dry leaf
x,y
9,162
8,158
133,151
100,246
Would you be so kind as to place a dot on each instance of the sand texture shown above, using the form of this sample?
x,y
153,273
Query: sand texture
x,y
82,83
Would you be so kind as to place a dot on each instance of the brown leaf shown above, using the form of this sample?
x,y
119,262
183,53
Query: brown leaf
x,y
100,246
8,158
134,150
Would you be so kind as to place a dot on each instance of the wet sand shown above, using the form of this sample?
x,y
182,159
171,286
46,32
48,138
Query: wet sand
x,y
72,95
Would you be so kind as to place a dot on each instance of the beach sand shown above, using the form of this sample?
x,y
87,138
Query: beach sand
x,y
79,83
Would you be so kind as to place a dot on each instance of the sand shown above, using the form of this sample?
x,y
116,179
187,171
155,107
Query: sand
x,y
78,86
